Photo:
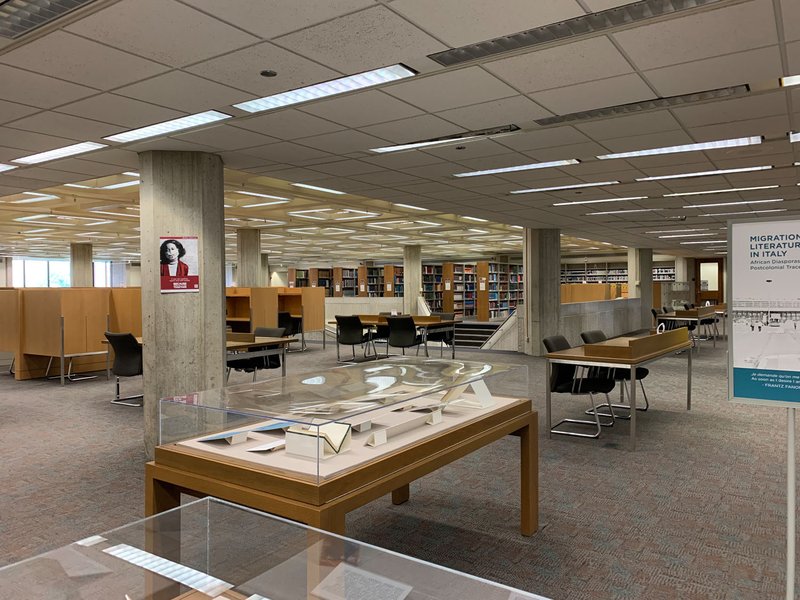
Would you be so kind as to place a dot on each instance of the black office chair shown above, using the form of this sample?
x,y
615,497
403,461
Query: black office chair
x,y
255,363
350,332
445,335
705,323
655,313
578,380
127,363
596,336
381,332
403,333
292,326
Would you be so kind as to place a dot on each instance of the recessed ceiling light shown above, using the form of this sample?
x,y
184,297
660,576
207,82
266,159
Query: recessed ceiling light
x,y
116,186
478,230
703,242
746,212
677,230
528,167
517,227
35,197
731,143
265,203
30,231
601,201
317,188
131,174
113,214
260,195
328,88
619,212
704,192
429,144
565,187
59,153
203,118
685,235
790,80
409,206
476,219
794,136
4,167
704,173
78,185
733,203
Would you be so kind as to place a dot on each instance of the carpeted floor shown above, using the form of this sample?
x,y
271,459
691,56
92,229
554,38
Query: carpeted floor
x,y
697,512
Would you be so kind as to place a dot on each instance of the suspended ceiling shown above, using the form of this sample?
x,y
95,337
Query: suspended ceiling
x,y
114,66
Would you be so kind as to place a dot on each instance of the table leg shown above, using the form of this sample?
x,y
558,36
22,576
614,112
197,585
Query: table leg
x,y
62,368
158,495
632,398
454,342
689,380
529,477
283,360
401,494
328,519
162,534
548,372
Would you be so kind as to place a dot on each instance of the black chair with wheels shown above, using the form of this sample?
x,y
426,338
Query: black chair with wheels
x,y
350,332
255,363
578,380
127,363
595,336
444,335
403,333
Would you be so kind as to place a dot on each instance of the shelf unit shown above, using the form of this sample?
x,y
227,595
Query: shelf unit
x,y
298,278
610,273
432,287
459,289
500,289
392,281
345,282
322,278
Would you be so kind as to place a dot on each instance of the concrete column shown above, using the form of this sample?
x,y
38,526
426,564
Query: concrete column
x,y
640,282
181,195
6,276
412,278
266,273
541,267
681,269
81,272
248,258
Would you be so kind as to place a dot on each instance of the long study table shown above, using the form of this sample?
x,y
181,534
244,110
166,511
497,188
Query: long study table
x,y
422,322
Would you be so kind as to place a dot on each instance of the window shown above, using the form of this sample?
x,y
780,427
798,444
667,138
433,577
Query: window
x,y
39,272
102,273
59,273
36,273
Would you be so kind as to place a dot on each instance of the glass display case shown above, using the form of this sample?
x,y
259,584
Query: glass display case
x,y
211,549
318,425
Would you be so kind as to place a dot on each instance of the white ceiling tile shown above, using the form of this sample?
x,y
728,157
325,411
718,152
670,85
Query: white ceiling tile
x,y
341,142
479,20
287,152
24,179
345,168
242,161
753,66
451,89
388,178
288,124
269,19
161,30
767,126
290,174
598,5
701,35
66,126
519,110
749,107
224,137
438,170
674,163
116,156
542,138
623,89
184,92
365,40
415,129
791,19
125,112
474,149
85,167
793,53
585,150
563,65
402,160
647,142
168,144
36,142
241,69
10,111
635,124
363,108
38,90
66,56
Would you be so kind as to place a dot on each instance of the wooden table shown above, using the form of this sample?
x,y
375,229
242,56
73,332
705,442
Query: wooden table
x,y
422,322
651,348
694,315
324,503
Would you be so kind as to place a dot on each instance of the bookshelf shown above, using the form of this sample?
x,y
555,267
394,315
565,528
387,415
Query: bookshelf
x,y
458,295
610,272
500,289
392,281
345,282
322,278
298,278
432,287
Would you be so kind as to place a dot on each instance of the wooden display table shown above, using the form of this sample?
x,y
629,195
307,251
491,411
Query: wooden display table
x,y
625,353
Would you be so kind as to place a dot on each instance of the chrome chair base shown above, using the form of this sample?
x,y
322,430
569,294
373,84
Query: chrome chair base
x,y
623,392
124,400
597,422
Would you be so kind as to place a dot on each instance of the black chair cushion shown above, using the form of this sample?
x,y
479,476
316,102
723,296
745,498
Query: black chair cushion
x,y
403,332
593,385
625,374
351,331
248,365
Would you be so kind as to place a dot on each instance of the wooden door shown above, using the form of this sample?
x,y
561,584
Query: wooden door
x,y
708,281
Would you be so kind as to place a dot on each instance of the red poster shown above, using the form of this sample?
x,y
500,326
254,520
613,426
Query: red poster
x,y
179,270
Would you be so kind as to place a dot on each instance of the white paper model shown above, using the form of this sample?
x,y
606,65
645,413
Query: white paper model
x,y
323,441
347,582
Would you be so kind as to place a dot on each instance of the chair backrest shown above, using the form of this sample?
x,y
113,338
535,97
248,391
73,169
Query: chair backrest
x,y
402,331
666,310
350,330
686,306
559,373
127,354
272,361
595,336
269,331
285,321
444,316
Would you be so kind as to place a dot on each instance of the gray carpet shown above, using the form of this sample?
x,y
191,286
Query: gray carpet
x,y
697,512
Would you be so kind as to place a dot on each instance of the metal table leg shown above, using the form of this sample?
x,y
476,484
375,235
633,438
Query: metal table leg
x,y
689,380
632,398
549,421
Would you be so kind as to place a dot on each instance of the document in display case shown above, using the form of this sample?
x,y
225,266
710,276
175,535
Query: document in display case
x,y
211,549
333,439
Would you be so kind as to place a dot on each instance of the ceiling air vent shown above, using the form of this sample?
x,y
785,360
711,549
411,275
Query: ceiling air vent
x,y
578,26
637,107
18,17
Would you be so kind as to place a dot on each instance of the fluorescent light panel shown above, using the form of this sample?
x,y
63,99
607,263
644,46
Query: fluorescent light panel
x,y
317,188
731,143
794,136
265,203
677,230
328,88
705,192
703,242
528,167
59,153
601,201
476,219
259,195
430,144
565,187
790,80
704,173
203,118
733,203
746,212
685,235
619,212
116,186
4,167
409,206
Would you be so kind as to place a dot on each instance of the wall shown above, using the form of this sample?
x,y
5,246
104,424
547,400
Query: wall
x,y
360,306
614,317
279,279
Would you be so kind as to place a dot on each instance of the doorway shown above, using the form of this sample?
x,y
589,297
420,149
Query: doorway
x,y
708,281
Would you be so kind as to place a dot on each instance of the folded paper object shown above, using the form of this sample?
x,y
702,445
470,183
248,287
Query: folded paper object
x,y
318,441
